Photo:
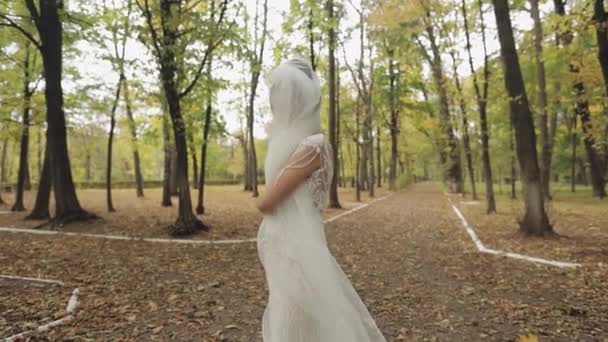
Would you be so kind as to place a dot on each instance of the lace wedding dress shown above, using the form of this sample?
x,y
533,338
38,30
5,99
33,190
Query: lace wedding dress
x,y
310,297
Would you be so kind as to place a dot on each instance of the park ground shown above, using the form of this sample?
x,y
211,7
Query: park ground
x,y
408,256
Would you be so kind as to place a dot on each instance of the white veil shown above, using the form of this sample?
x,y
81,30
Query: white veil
x,y
295,102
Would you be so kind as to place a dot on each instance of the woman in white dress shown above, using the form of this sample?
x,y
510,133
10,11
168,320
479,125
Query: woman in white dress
x,y
310,297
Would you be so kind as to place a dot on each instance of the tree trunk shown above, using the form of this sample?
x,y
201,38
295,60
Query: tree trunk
x,y
39,159
601,30
358,154
109,203
41,207
534,221
545,165
68,208
573,140
3,170
581,108
392,173
139,179
378,158
481,93
596,166
453,170
186,223
311,38
167,151
256,67
332,115
25,133
512,158
200,208
194,161
465,127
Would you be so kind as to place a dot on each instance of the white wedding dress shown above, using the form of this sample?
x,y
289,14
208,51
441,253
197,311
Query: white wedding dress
x,y
310,297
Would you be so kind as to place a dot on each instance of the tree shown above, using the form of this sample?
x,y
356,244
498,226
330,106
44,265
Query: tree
x,y
545,140
169,42
581,109
534,221
332,116
46,18
449,153
481,94
109,203
28,67
256,61
465,125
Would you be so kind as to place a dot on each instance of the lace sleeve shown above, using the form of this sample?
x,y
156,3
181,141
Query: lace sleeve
x,y
319,181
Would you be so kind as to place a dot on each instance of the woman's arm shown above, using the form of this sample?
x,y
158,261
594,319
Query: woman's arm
x,y
299,167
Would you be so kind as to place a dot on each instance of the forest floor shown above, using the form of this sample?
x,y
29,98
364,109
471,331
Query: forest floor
x,y
408,256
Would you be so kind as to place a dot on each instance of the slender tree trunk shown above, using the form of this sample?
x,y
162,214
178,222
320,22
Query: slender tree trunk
x,y
311,39
481,93
2,170
109,203
378,158
534,221
392,174
49,25
512,158
465,127
186,223
194,161
41,207
139,179
200,208
25,133
573,141
88,167
332,115
453,169
167,150
545,165
358,154
581,108
39,143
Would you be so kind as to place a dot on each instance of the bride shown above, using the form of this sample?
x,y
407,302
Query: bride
x,y
310,298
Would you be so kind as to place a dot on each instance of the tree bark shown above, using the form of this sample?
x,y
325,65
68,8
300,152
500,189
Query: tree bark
x,y
332,115
535,221
168,153
3,171
481,94
393,79
573,142
581,108
25,132
194,161
545,140
186,222
49,27
512,159
465,127
453,169
41,207
139,179
200,208
378,159
109,203
358,154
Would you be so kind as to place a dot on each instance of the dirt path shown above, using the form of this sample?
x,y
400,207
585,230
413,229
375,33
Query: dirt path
x,y
407,256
